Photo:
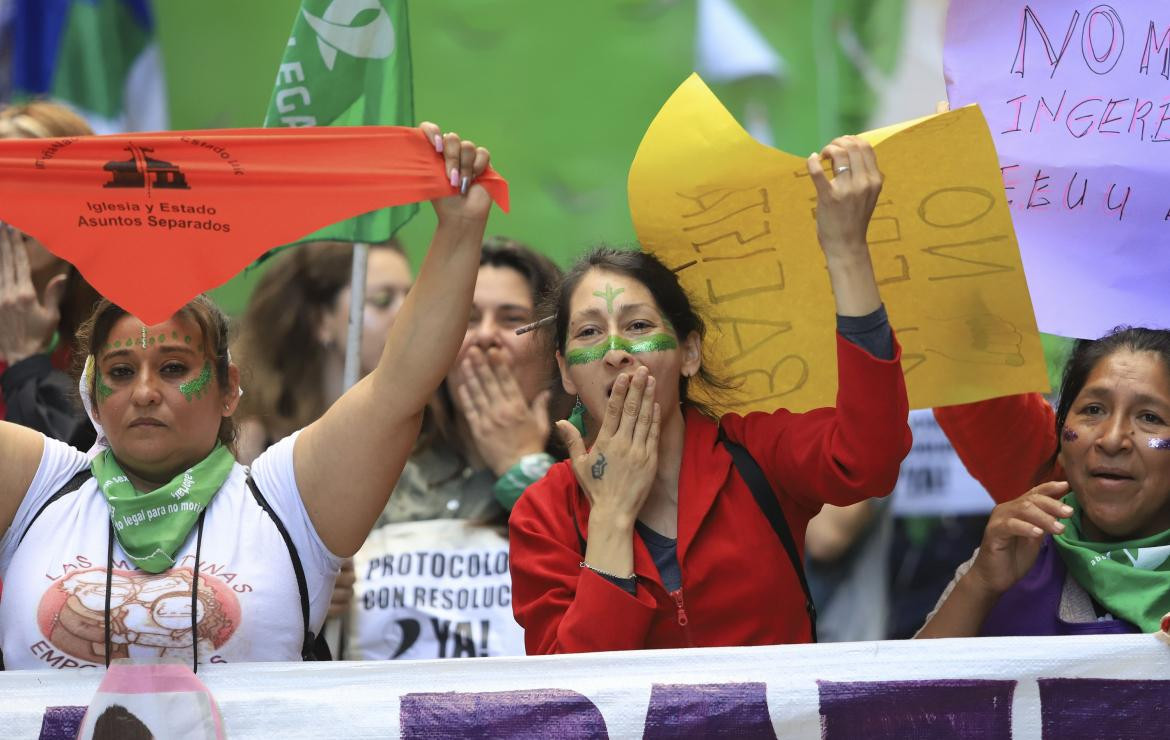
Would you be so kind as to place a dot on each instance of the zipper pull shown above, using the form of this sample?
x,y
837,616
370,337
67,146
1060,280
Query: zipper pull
x,y
682,611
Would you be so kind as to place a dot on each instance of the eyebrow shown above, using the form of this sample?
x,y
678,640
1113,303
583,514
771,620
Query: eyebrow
x,y
584,314
166,347
1140,399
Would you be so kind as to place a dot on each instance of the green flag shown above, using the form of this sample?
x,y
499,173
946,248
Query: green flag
x,y
347,63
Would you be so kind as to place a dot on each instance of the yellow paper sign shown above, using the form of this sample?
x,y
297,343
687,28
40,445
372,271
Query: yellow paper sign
x,y
736,221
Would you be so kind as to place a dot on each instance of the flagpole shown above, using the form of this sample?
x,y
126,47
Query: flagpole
x,y
357,306
384,66
334,629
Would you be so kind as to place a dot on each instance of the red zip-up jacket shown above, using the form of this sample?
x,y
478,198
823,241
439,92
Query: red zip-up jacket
x,y
1005,443
738,585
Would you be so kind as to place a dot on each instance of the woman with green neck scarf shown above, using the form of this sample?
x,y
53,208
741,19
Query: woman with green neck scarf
x,y
1088,553
158,543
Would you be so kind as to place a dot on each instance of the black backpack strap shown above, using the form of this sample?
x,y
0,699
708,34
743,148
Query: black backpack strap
x,y
70,486
313,647
765,497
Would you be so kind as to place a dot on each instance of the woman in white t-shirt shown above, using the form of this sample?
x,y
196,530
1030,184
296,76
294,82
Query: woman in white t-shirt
x,y
108,568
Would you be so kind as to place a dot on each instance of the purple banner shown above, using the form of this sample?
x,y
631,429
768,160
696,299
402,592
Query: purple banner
x,y
61,723
1082,708
877,710
1077,95
539,713
738,710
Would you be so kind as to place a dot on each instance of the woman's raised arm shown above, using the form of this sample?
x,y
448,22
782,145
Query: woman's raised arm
x,y
844,207
20,456
348,461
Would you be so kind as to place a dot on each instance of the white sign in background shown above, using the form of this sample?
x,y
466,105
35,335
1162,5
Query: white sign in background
x,y
433,589
933,480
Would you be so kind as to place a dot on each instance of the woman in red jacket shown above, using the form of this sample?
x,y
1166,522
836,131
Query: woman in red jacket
x,y
647,536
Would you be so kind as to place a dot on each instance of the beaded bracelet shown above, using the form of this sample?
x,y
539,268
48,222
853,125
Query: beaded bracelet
x,y
599,571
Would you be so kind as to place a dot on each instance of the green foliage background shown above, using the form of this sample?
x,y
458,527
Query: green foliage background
x,y
561,92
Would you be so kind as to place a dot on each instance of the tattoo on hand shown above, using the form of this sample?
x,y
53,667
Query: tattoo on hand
x,y
598,468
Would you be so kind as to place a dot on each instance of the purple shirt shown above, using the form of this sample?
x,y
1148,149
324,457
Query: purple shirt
x,y
1032,606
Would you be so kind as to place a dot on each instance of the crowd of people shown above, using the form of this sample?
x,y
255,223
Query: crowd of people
x,y
522,466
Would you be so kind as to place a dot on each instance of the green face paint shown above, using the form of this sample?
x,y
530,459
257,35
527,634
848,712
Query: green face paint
x,y
609,295
652,343
102,390
194,388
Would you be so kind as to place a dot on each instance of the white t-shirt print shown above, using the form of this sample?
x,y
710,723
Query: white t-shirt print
x,y
247,608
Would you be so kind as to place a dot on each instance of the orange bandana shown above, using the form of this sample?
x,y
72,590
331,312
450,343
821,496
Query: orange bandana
x,y
151,220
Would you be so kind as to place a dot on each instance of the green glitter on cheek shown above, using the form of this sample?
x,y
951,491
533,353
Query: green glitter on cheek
x,y
652,343
194,388
99,384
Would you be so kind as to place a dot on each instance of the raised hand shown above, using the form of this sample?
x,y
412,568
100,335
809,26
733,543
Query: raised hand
x,y
1014,534
463,161
26,321
844,207
505,426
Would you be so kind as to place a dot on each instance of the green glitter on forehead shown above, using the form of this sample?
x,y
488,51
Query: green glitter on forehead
x,y
102,390
194,388
609,295
652,343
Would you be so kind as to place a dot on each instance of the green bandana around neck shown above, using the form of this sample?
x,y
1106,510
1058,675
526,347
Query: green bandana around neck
x,y
151,527
1130,579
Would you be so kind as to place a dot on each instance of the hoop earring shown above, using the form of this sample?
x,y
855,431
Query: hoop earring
x,y
577,416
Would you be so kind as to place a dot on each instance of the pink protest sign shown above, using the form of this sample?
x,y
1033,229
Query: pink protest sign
x,y
1077,96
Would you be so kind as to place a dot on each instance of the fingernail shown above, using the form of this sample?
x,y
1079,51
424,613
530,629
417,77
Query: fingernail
x,y
1037,530
454,177
464,184
1066,510
438,143
1059,527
